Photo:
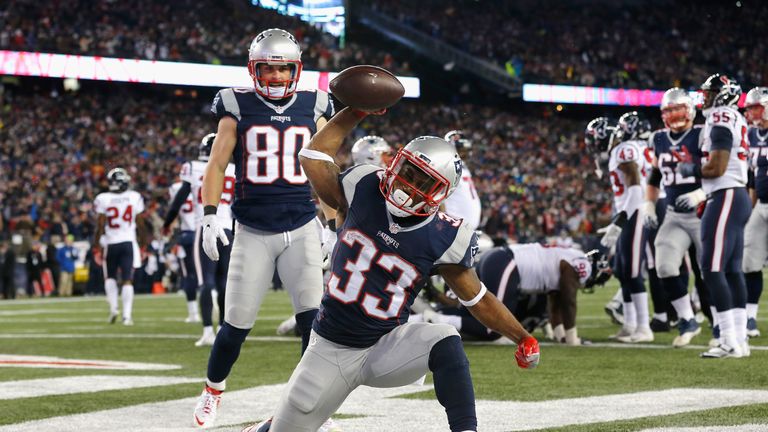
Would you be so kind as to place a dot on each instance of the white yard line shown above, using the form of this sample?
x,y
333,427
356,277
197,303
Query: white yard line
x,y
84,384
28,361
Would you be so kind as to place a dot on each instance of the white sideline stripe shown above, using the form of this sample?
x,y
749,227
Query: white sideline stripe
x,y
503,341
739,428
134,336
179,319
84,384
376,407
26,361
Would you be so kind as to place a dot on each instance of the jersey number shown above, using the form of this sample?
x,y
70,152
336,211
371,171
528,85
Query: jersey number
x,y
356,269
273,155
113,216
618,187
672,177
227,191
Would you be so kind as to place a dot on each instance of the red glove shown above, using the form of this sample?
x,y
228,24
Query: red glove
x,y
527,354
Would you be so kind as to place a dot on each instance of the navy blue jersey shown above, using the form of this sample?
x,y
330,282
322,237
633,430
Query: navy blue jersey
x,y
271,191
669,148
758,160
378,267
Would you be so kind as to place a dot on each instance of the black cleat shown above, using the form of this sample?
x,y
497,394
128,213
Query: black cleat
x,y
659,326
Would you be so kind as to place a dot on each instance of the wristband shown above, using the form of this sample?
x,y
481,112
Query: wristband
x,y
477,298
332,224
209,210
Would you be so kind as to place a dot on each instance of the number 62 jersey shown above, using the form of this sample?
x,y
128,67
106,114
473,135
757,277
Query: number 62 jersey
x,y
378,266
271,191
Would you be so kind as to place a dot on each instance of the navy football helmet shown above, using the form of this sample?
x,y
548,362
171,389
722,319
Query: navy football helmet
x,y
206,145
118,180
598,134
632,126
720,90
601,270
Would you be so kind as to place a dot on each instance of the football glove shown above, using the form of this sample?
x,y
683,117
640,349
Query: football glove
x,y
688,169
610,235
329,241
212,232
691,200
649,210
527,354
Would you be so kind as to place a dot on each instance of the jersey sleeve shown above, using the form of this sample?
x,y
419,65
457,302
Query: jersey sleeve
x,y
185,174
323,106
628,153
138,203
225,104
98,204
724,117
463,249
351,177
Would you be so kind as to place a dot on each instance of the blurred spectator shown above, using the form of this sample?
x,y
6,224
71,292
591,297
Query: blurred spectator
x,y
67,256
35,267
7,264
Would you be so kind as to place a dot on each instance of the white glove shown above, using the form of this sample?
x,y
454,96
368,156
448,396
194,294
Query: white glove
x,y
212,232
649,210
610,235
690,200
329,241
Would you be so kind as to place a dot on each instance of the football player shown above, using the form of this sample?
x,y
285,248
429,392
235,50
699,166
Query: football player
x,y
723,173
186,240
263,128
372,150
680,227
756,231
529,279
464,203
391,237
117,226
625,231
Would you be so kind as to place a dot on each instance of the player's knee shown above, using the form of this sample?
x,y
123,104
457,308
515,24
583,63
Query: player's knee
x,y
448,353
230,335
304,321
667,269
751,265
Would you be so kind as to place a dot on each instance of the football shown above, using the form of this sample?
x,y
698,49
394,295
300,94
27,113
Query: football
x,y
368,88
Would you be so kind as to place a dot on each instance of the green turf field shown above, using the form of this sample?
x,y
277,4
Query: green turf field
x,y
551,396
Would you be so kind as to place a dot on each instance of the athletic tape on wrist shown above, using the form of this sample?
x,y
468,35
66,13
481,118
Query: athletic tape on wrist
x,y
316,155
477,298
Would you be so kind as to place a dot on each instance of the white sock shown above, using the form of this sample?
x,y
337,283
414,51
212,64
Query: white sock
x,y
127,301
618,296
192,309
683,307
220,386
727,327
752,310
740,324
208,331
416,318
660,316
640,300
110,287
715,318
630,315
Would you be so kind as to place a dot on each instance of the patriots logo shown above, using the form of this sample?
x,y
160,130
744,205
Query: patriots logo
x,y
457,167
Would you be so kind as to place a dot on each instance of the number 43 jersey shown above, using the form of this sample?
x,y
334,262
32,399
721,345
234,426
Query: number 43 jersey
x,y
378,266
271,191
121,210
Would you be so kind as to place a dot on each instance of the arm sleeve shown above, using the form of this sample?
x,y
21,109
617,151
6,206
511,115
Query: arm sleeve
x,y
349,179
750,179
655,178
178,201
225,104
722,138
98,205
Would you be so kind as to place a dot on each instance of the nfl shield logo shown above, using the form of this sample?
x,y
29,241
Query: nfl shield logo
x,y
394,228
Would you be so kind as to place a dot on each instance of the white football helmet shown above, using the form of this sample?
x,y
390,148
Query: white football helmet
x,y
756,105
422,174
674,117
118,180
372,150
275,47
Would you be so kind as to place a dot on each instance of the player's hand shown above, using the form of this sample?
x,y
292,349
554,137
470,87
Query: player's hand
x,y
362,114
691,200
329,241
212,232
98,255
610,235
527,354
688,169
649,211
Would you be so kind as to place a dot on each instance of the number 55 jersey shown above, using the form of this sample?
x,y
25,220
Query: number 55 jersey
x,y
271,192
378,265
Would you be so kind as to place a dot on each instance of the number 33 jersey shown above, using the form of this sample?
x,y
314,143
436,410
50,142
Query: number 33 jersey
x,y
120,210
271,191
378,266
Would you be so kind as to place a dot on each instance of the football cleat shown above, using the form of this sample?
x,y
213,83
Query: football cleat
x,y
287,326
127,322
722,351
688,330
659,326
192,319
259,427
745,349
641,335
112,318
330,426
752,330
207,408
206,340
624,334
615,310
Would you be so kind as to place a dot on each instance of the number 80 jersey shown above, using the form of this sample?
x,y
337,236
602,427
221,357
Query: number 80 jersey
x,y
271,191
378,267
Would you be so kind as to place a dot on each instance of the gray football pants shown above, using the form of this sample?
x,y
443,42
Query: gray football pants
x,y
329,372
674,239
255,255
756,239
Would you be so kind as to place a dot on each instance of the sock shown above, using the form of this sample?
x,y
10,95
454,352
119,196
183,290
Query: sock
x,y
660,316
224,353
618,296
304,325
192,309
208,331
727,330
127,301
453,383
751,310
110,287
683,307
740,324
630,316
640,300
217,386
715,319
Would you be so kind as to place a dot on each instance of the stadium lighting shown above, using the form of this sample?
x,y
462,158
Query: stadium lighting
x,y
598,95
24,63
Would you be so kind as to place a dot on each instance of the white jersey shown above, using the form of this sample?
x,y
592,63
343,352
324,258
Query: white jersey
x,y
646,147
736,171
192,172
539,266
464,203
121,210
628,151
187,210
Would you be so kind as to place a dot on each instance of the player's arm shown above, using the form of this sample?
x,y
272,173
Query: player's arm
x,y
101,221
631,173
569,287
221,153
751,186
317,158
143,231
720,153
178,201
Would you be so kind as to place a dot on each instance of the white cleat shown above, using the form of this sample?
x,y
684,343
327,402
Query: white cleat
x,y
723,351
207,408
330,426
287,326
642,335
206,340
192,319
112,318
688,330
624,335
745,350
127,322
